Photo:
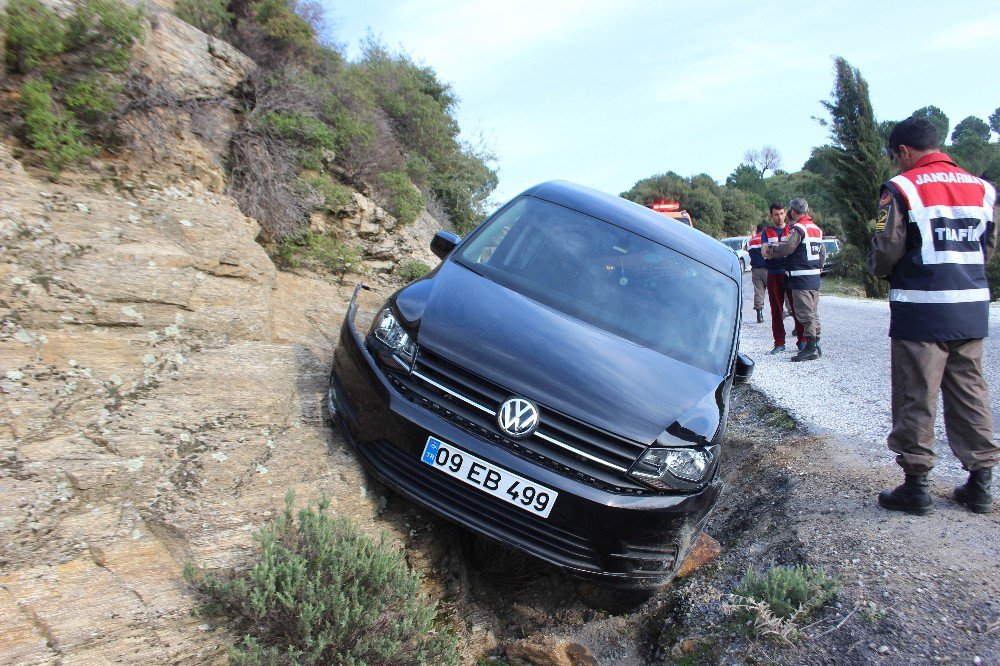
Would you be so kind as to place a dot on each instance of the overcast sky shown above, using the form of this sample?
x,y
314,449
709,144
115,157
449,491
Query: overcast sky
x,y
606,92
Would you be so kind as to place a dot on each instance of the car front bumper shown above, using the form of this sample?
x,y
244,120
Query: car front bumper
x,y
624,540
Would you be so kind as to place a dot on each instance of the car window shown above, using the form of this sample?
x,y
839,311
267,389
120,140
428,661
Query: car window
x,y
610,278
831,246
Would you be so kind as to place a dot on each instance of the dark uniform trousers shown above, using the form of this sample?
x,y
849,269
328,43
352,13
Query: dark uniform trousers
x,y
919,369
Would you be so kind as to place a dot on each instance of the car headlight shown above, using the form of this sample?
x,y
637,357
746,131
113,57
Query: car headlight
x,y
674,468
391,333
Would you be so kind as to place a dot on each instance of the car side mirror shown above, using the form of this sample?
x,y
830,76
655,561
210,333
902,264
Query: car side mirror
x,y
744,369
443,243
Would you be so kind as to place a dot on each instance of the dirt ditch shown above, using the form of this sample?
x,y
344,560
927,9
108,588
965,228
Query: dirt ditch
x,y
790,498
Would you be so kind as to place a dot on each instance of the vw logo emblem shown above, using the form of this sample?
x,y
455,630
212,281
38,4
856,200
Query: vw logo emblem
x,y
517,417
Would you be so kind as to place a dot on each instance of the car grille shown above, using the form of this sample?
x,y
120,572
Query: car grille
x,y
561,443
468,506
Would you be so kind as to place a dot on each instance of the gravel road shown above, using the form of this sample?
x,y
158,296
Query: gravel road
x,y
846,392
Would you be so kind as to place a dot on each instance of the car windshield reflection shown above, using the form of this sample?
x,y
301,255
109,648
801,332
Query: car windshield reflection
x,y
609,278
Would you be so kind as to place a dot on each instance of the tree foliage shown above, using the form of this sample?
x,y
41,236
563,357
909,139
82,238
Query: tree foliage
x,y
937,117
858,159
971,127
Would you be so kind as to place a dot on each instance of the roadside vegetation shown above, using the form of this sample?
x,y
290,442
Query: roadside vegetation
x,y
315,124
776,603
322,593
840,180
69,70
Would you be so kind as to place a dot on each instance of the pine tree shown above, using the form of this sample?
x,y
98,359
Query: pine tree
x,y
859,159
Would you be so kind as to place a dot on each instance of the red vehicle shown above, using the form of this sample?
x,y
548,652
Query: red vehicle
x,y
673,210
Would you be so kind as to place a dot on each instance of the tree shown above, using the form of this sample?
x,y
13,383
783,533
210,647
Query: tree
x,y
974,154
746,178
995,121
766,159
936,116
859,159
971,126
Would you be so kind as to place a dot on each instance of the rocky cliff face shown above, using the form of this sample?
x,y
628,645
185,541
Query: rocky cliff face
x,y
161,385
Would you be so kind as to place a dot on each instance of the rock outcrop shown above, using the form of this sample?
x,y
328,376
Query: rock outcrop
x,y
161,388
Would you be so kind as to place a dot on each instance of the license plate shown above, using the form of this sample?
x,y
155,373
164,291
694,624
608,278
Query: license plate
x,y
489,478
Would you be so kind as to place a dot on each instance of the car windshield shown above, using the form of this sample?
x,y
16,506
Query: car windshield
x,y
733,243
609,278
831,246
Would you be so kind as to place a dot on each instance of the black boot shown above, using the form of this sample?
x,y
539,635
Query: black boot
x,y
808,353
760,315
975,494
819,350
911,497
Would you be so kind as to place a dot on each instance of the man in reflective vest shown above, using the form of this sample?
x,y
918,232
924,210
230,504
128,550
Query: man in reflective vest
x,y
803,246
758,272
934,234
777,290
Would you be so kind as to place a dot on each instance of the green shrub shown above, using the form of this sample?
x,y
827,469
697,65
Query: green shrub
x,y
850,263
50,129
306,130
91,100
33,33
280,22
403,199
777,601
209,16
315,250
335,196
104,30
411,270
321,593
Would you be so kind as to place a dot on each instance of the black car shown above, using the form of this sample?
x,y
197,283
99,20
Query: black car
x,y
560,382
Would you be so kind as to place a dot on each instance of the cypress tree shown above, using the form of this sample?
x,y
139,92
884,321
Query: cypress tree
x,y
858,157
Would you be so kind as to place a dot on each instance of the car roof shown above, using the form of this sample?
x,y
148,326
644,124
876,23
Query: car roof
x,y
640,220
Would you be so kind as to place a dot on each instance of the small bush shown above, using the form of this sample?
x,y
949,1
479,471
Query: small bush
x,y
323,594
777,601
334,195
280,22
315,250
209,16
403,199
104,30
92,100
52,130
411,270
34,33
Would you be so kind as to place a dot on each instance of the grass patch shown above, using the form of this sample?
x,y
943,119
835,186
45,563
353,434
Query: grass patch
x,y
321,593
318,251
775,603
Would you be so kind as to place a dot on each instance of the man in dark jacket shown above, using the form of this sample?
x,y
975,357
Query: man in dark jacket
x,y
805,252
935,233
758,272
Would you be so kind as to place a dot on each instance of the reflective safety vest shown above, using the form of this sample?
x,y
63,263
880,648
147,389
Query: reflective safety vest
x,y
772,236
804,266
753,249
938,289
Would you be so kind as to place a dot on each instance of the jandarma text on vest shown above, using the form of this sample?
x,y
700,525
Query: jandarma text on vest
x,y
945,177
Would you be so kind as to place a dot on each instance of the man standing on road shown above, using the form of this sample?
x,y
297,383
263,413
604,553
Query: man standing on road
x,y
758,272
935,233
805,252
776,289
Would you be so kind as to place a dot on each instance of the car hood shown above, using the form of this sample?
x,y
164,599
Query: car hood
x,y
559,361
